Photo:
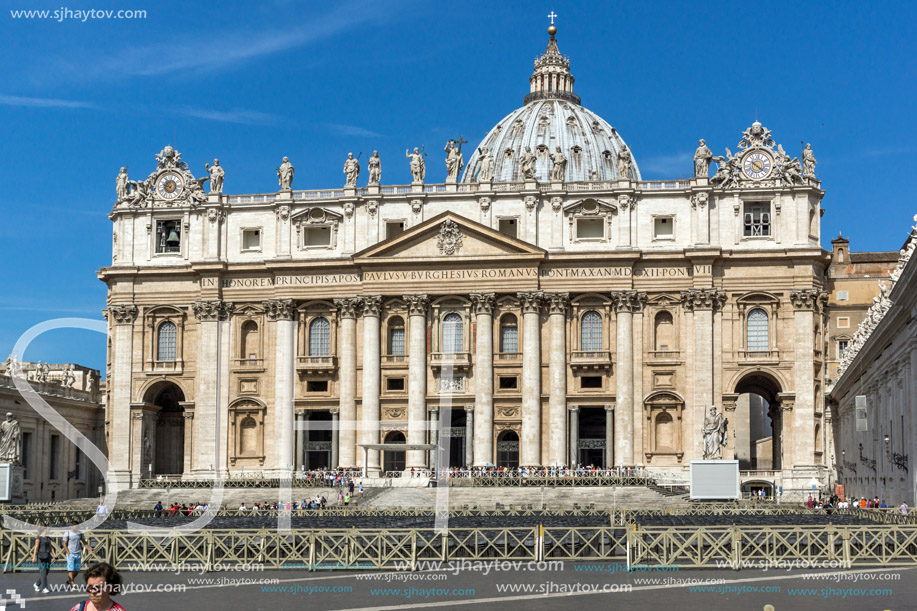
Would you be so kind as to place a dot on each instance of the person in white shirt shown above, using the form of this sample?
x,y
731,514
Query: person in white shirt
x,y
903,508
102,509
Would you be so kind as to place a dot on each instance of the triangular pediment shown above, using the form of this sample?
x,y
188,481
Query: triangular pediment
x,y
449,236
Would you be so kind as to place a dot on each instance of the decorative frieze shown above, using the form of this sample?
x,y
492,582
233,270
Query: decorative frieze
x,y
280,309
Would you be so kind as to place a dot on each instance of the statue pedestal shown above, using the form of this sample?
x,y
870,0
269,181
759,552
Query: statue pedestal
x,y
485,185
372,189
557,186
214,198
701,182
531,185
350,191
416,187
11,479
451,187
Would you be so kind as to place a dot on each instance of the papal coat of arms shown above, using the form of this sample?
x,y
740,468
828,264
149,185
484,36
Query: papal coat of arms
x,y
450,238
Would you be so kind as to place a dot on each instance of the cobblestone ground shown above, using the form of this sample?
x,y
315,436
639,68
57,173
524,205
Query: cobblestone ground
x,y
501,585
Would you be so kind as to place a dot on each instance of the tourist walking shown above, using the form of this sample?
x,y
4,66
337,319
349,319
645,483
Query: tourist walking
x,y
74,542
42,554
102,582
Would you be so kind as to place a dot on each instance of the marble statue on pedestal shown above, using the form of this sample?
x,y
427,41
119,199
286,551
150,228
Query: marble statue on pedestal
x,y
808,162
122,184
285,175
625,164
10,440
351,171
559,169
375,168
527,164
454,160
702,158
486,172
714,434
418,165
216,176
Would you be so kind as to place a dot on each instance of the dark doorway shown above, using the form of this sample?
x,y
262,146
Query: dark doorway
x,y
318,441
591,435
393,460
169,456
508,449
758,426
457,441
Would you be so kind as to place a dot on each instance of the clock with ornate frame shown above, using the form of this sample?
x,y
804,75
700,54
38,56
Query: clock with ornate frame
x,y
169,185
757,165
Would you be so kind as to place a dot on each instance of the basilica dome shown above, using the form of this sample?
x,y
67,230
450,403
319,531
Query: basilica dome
x,y
552,117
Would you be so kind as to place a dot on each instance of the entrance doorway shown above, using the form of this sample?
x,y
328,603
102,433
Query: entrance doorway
x,y
591,436
169,456
508,449
393,460
318,441
758,423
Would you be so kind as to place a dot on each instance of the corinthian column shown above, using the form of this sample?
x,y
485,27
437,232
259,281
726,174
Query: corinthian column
x,y
371,380
121,326
347,309
210,412
483,437
626,302
557,374
530,452
417,378
283,314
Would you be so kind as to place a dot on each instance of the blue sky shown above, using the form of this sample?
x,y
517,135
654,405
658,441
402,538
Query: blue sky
x,y
251,82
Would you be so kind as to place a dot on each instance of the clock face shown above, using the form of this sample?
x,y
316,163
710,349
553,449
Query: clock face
x,y
169,186
757,165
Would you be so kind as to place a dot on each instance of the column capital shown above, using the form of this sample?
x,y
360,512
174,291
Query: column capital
x,y
123,314
573,408
483,302
280,309
557,302
531,301
208,311
609,407
334,411
703,299
347,306
808,299
628,301
417,304
433,409
469,409
372,305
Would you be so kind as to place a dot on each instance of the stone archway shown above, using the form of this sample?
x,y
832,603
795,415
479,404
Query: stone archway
x,y
164,446
755,413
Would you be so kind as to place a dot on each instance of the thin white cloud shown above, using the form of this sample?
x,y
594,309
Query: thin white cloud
x,y
352,130
28,102
238,115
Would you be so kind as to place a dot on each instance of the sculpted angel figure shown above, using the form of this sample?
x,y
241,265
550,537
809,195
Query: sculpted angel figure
x,y
375,168
486,171
351,171
527,164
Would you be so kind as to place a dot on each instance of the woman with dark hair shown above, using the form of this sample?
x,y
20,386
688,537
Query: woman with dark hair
x,y
43,552
102,582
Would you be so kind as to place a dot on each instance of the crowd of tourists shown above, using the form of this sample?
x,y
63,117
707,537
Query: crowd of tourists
x,y
836,502
555,471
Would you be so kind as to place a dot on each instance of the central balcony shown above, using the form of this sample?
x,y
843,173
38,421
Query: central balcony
x,y
458,360
316,364
586,360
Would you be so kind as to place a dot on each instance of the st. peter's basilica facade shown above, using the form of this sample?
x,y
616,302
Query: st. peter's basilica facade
x,y
547,306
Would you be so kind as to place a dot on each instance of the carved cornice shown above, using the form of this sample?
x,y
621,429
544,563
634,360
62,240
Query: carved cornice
x,y
531,301
347,306
628,301
417,304
372,305
280,309
483,302
703,299
123,314
557,302
209,311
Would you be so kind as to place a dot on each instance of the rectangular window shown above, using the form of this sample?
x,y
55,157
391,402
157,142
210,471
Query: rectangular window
x,y
591,382
316,237
26,455
507,227
168,236
664,228
393,228
509,382
251,239
842,296
397,343
590,229
843,322
394,384
841,348
54,457
317,386
757,220
78,464
509,338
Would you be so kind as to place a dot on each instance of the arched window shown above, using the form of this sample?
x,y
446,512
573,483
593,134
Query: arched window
x,y
591,331
396,335
509,334
452,333
320,337
664,332
249,340
166,342
756,336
